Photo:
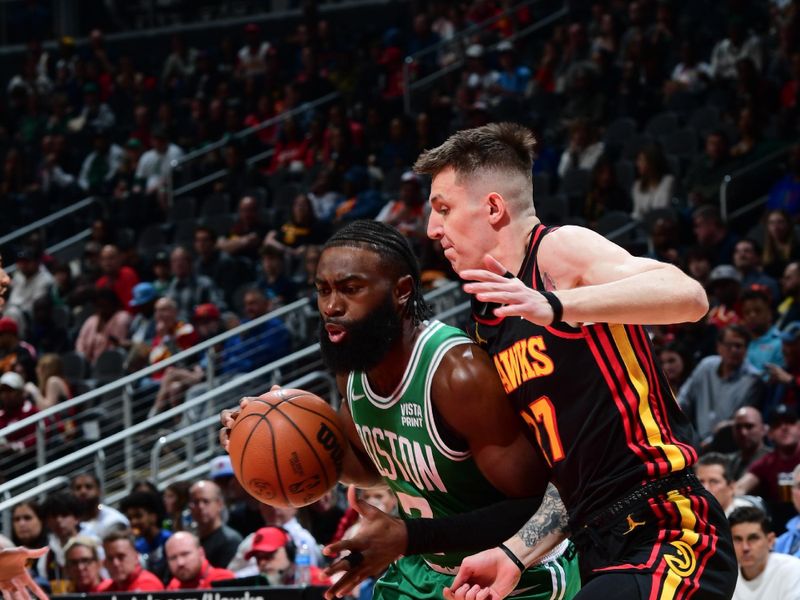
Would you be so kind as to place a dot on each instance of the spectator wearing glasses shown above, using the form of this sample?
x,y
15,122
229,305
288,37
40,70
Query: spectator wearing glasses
x,y
721,384
83,564
218,540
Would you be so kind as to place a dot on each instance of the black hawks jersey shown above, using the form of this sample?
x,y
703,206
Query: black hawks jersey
x,y
594,397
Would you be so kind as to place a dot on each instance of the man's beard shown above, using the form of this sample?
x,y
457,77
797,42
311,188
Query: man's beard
x,y
366,343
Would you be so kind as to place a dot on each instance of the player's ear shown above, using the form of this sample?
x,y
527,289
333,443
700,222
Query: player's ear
x,y
404,289
496,205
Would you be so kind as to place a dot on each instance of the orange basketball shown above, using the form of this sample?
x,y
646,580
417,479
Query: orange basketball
x,y
287,448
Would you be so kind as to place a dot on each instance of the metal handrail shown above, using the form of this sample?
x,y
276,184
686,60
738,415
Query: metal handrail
x,y
728,179
44,221
58,247
306,106
155,421
120,384
127,434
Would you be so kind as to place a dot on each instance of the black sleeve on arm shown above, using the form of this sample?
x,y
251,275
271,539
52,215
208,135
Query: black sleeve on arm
x,y
473,531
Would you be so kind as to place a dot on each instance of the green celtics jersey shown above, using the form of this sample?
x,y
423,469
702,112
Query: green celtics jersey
x,y
400,435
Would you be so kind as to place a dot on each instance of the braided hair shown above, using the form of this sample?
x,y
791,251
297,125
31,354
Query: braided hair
x,y
392,247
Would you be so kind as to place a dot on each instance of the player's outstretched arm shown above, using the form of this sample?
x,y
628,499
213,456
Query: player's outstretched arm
x,y
15,581
493,574
595,281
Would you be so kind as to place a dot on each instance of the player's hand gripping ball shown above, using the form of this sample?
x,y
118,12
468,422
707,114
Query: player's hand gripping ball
x,y
287,448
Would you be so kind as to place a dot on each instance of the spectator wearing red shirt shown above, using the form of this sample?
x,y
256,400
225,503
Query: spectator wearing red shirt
x,y
771,476
188,564
15,406
119,278
124,567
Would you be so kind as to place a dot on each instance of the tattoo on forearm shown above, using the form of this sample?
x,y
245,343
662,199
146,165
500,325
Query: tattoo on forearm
x,y
550,518
549,284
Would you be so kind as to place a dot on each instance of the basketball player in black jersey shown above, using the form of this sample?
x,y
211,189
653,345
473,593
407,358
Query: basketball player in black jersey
x,y
564,328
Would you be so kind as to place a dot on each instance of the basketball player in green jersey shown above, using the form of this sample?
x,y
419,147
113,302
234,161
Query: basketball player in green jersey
x,y
426,414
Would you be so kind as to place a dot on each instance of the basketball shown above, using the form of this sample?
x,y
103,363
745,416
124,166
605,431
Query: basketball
x,y
287,448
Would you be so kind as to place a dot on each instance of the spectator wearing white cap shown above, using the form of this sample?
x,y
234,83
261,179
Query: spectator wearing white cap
x,y
243,513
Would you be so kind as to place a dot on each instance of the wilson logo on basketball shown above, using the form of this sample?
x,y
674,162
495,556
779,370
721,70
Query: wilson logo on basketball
x,y
329,441
306,484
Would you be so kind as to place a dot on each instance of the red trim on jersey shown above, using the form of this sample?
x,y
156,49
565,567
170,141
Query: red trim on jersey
x,y
658,407
488,323
621,406
578,335
631,398
534,240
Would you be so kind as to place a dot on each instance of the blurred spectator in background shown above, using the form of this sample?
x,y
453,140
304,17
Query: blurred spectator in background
x,y
721,384
27,525
155,165
654,186
784,374
124,566
83,564
724,286
583,151
301,229
705,174
116,276
51,388
106,329
748,435
605,194
713,471
143,326
44,333
226,272
30,282
100,165
16,449
273,281
765,343
359,202
407,213
324,195
274,553
781,245
676,364
145,511
176,506
188,564
13,351
712,235
188,289
747,260
771,476
97,519
244,238
789,309
789,541
61,514
218,540
172,334
737,45
323,517
785,194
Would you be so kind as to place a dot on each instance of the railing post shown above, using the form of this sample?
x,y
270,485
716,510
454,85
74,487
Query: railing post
x,y
407,85
41,448
723,198
100,467
155,460
127,421
211,357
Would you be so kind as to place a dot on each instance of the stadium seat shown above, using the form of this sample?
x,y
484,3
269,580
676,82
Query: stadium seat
x,y
552,210
183,207
75,366
216,204
612,221
618,132
704,119
541,184
634,144
661,124
681,143
575,183
109,366
626,174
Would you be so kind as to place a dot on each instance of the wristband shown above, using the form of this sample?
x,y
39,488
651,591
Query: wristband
x,y
555,304
513,557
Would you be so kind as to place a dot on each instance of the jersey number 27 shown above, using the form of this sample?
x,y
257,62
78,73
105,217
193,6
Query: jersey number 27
x,y
540,415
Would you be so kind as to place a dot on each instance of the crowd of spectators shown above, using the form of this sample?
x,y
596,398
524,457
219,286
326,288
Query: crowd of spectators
x,y
641,109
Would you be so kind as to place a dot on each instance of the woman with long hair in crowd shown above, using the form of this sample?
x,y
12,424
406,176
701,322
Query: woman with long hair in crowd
x,y
654,186
781,245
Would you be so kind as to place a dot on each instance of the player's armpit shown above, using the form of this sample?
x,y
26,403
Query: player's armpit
x,y
472,403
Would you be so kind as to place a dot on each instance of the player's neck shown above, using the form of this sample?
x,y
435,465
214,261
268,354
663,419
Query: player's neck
x,y
512,246
385,378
